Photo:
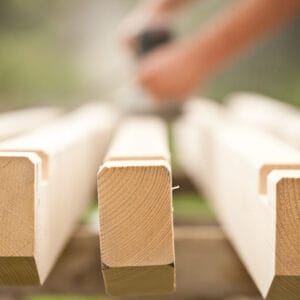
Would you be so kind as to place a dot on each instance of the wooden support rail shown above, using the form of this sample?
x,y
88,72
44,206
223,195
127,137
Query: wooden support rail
x,y
135,207
47,177
266,114
16,122
254,187
206,267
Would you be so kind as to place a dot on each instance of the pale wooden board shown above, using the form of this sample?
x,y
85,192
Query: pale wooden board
x,y
135,207
132,143
266,114
16,122
47,179
193,132
206,267
239,181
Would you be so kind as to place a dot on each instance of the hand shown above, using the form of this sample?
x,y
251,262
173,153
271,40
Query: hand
x,y
171,72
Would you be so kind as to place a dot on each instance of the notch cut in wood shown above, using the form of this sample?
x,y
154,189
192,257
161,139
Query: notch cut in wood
x,y
253,182
135,207
47,178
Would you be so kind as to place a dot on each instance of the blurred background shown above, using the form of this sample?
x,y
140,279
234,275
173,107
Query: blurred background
x,y
67,52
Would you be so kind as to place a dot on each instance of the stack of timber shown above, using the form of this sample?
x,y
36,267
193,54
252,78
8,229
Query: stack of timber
x,y
135,208
253,181
47,177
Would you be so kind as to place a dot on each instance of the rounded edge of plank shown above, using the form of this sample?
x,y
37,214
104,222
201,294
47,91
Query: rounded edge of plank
x,y
19,173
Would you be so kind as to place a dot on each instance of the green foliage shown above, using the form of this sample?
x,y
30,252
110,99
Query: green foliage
x,y
191,205
90,215
34,62
20,14
31,66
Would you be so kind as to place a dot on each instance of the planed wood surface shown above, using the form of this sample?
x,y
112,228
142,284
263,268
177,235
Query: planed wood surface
x,y
206,267
254,187
264,113
140,138
47,178
135,208
17,122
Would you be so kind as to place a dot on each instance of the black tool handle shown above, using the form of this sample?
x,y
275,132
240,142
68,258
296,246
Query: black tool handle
x,y
151,39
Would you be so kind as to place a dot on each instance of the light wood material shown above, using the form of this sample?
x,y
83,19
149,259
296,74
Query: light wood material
x,y
254,187
47,178
266,114
149,142
193,132
16,122
135,207
206,268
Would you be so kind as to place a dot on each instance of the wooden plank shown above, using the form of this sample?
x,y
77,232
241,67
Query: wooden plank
x,y
195,132
132,143
255,195
206,267
135,207
17,122
270,115
47,177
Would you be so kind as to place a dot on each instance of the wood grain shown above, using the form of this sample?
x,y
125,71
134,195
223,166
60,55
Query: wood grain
x,y
135,207
258,213
47,179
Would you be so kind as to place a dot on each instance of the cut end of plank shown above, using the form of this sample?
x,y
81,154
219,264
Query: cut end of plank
x,y
284,192
287,196
138,194
146,280
19,271
18,175
136,227
279,290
